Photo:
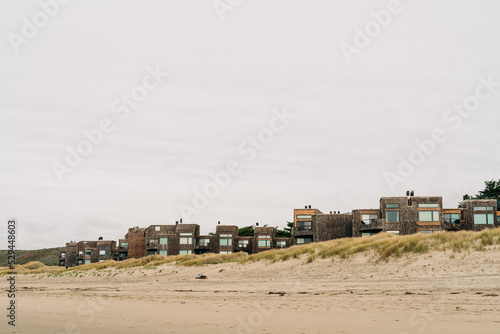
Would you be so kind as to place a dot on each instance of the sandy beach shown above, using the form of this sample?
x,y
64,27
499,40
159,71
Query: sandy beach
x,y
430,293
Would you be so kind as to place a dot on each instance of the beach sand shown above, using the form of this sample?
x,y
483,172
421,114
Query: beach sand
x,y
428,293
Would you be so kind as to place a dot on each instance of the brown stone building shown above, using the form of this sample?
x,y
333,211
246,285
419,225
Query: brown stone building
x,y
85,252
479,214
399,215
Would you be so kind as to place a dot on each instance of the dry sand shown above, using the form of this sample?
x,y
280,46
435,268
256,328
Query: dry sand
x,y
431,293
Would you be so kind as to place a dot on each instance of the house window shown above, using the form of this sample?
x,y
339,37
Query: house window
x,y
301,241
87,261
242,243
451,218
157,228
226,242
264,237
367,234
392,216
124,245
304,216
367,219
392,206
304,226
203,242
428,216
186,241
186,234
483,208
63,255
428,205
152,252
163,241
80,262
226,235
483,218
264,243
184,252
164,252
103,252
280,244
85,243
61,263
393,232
80,253
225,252
88,253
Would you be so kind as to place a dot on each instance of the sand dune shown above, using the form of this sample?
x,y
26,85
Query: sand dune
x,y
429,293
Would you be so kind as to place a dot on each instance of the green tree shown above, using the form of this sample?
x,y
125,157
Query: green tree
x,y
491,191
247,231
286,232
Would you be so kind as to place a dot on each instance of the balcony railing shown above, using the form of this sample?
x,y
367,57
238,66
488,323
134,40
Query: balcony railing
x,y
152,244
372,224
202,244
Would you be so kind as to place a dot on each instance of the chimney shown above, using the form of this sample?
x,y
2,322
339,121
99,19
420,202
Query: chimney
x,y
181,220
100,238
218,223
306,206
330,212
256,224
309,206
176,223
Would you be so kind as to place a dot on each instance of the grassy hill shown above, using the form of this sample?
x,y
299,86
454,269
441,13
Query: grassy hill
x,y
47,256
381,247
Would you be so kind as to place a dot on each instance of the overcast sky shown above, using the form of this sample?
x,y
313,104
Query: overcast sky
x,y
353,115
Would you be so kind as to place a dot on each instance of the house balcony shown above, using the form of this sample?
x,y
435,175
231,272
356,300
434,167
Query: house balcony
x,y
244,248
202,245
377,224
303,231
151,245
451,226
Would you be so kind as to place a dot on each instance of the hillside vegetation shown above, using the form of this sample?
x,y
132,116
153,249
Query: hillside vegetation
x,y
47,256
382,247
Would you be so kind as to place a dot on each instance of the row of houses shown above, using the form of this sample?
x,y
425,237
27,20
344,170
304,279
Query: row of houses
x,y
399,215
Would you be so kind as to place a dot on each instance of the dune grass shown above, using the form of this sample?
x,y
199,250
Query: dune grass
x,y
382,246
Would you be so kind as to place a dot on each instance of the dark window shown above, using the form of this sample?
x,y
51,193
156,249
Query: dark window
x,y
301,241
451,218
304,226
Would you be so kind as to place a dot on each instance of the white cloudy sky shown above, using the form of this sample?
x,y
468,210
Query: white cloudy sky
x,y
353,120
